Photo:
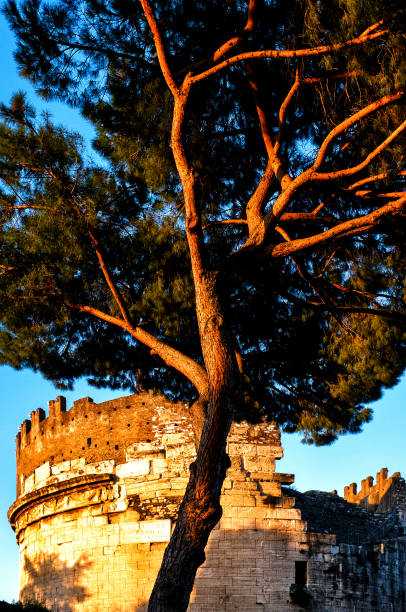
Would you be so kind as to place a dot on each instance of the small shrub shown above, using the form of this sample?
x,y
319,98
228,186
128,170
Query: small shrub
x,y
29,606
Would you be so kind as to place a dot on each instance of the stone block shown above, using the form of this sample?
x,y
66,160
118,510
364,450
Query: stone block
x,y
42,473
245,486
179,483
159,465
78,464
99,467
270,488
29,484
58,468
242,449
173,439
131,469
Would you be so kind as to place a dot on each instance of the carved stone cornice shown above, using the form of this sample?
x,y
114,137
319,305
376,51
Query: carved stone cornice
x,y
54,492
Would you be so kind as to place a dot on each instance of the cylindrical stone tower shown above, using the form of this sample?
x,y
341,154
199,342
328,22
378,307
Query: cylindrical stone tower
x,y
97,496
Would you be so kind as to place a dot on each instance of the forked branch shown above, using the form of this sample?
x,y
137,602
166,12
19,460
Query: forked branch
x,y
368,35
351,227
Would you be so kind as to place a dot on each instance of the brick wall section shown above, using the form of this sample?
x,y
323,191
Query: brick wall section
x,y
92,527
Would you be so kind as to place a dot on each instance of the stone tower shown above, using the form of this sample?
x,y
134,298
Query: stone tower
x,y
98,488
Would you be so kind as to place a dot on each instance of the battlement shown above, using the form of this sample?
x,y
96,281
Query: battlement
x,y
376,497
96,432
100,432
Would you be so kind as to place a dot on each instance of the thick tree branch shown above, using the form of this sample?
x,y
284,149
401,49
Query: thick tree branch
x,y
285,197
351,227
367,193
172,357
274,168
159,46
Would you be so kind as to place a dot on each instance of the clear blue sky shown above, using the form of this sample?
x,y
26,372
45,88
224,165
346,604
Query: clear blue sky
x,y
382,444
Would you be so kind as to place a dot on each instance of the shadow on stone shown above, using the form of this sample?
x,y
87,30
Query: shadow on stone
x,y
67,580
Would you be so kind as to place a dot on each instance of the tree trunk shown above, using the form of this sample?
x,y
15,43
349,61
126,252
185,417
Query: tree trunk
x,y
200,509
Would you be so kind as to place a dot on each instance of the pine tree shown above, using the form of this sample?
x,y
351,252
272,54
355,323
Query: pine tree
x,y
242,246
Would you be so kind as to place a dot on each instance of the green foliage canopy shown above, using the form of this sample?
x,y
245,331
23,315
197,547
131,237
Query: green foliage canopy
x,y
312,355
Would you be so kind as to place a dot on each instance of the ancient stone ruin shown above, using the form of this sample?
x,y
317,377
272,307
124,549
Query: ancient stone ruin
x,y
98,488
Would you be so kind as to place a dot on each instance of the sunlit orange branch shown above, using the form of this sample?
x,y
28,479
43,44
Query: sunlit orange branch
x,y
350,121
327,263
104,268
366,36
370,194
367,294
185,171
273,168
236,40
351,227
42,170
7,206
296,84
310,174
322,176
159,45
172,357
305,216
375,177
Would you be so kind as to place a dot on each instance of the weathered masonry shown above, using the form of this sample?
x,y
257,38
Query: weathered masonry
x,y
98,488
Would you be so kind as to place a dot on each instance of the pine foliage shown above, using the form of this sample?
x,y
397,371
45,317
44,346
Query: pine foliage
x,y
309,361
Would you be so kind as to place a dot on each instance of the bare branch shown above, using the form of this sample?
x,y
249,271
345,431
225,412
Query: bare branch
x,y
274,168
103,266
366,36
373,178
236,40
371,194
225,222
350,121
159,45
351,227
285,197
296,84
172,357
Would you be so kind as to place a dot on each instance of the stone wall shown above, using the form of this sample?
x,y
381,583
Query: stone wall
x,y
95,432
92,524
381,497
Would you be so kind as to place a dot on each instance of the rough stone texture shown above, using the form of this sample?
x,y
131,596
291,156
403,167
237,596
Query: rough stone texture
x,y
92,520
379,497
351,524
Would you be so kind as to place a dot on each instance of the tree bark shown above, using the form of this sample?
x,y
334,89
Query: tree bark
x,y
200,509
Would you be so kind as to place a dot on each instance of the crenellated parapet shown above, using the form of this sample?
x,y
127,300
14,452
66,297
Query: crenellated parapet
x,y
379,496
95,432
